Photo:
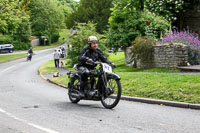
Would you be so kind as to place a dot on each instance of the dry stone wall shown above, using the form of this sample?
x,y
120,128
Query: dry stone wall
x,y
170,56
164,56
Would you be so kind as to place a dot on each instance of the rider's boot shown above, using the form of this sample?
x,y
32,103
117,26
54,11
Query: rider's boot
x,y
82,85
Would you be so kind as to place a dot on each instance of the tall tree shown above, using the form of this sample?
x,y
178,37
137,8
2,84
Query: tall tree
x,y
47,18
14,23
68,7
70,3
128,21
9,16
97,11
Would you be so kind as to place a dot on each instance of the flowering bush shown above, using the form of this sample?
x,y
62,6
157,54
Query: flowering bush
x,y
166,8
188,38
155,25
125,26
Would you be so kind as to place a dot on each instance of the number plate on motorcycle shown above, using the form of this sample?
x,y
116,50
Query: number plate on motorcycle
x,y
107,68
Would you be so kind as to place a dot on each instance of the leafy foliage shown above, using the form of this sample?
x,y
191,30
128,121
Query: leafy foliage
x,y
96,11
169,9
23,32
126,23
5,39
9,16
47,18
142,48
188,38
80,39
14,22
70,4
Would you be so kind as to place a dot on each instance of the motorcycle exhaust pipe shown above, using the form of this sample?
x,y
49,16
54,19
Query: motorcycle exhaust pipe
x,y
75,95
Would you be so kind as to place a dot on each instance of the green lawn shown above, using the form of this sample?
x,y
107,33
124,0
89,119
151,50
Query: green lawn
x,y
152,83
48,67
4,58
47,47
165,86
60,80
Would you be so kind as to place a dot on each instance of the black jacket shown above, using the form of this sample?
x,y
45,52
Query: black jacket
x,y
30,51
87,54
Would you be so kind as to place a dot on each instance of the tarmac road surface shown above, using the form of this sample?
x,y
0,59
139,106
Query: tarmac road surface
x,y
29,104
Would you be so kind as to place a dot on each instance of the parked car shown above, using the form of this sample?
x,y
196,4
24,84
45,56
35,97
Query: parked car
x,y
6,48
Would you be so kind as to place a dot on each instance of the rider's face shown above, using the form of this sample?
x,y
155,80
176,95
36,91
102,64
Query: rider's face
x,y
94,45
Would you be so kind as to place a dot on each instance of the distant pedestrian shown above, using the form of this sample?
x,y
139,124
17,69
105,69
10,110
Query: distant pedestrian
x,y
56,56
63,52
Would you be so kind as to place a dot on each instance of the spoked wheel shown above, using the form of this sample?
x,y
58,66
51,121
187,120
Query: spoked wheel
x,y
112,94
76,86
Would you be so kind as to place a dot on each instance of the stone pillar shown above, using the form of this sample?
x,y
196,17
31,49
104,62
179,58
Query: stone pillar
x,y
128,57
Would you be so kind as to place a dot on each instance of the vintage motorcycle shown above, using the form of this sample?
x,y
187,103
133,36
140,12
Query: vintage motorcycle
x,y
103,85
29,57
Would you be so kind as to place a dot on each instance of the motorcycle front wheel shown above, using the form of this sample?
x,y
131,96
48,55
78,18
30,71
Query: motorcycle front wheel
x,y
112,94
75,85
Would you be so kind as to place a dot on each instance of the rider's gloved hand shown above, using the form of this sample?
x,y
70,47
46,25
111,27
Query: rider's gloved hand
x,y
113,65
90,61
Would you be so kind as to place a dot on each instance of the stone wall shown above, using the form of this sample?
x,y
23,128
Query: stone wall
x,y
170,56
164,56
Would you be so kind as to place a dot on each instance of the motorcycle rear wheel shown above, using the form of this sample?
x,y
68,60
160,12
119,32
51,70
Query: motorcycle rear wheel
x,y
75,84
112,94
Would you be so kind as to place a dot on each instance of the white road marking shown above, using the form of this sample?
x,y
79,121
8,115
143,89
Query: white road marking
x,y
28,123
42,57
8,68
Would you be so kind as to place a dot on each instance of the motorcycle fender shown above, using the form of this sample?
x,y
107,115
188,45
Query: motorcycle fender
x,y
113,75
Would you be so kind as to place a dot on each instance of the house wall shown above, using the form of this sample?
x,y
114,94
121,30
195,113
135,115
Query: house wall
x,y
35,42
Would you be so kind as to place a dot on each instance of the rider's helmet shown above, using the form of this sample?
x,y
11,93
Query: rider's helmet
x,y
92,39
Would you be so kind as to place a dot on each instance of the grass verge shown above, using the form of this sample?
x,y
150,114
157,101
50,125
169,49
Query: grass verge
x,y
153,83
60,80
47,47
4,58
48,67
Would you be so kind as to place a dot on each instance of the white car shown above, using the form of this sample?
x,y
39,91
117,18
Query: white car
x,y
6,48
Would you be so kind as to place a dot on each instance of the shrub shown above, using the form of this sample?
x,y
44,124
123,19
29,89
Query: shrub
x,y
5,39
80,39
125,27
21,45
142,48
188,38
55,37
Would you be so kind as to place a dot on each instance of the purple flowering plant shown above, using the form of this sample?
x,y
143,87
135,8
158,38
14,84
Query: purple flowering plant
x,y
188,38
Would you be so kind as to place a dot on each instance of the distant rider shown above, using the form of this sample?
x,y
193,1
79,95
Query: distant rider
x,y
30,53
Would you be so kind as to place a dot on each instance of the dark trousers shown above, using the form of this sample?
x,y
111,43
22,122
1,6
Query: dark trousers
x,y
84,71
56,61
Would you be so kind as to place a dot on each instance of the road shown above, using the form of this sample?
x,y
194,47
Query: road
x,y
29,104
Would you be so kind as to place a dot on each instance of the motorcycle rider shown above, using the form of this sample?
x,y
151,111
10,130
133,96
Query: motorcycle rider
x,y
87,58
30,53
